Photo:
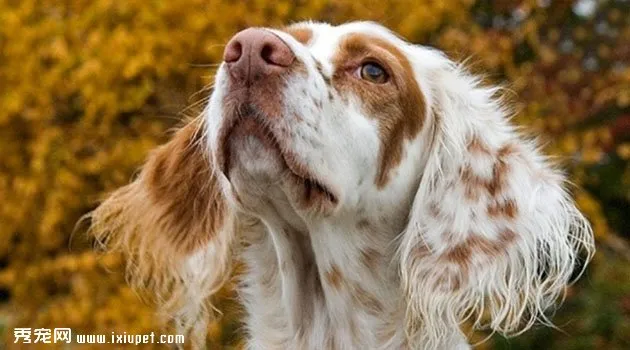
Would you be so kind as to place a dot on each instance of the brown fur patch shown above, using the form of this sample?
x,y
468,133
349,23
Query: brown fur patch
x,y
500,170
302,35
181,186
334,277
462,253
367,300
398,105
474,183
370,257
507,209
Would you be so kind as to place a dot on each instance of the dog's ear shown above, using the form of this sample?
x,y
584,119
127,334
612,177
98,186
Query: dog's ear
x,y
174,227
492,230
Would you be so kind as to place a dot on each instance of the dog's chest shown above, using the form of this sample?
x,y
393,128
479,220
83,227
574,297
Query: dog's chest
x,y
319,291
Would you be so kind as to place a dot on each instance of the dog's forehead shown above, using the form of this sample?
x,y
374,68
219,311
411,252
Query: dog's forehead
x,y
323,40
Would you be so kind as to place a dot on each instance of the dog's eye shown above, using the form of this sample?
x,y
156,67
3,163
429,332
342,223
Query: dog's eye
x,y
374,73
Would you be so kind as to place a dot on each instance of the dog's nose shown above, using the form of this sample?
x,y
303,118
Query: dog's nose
x,y
257,53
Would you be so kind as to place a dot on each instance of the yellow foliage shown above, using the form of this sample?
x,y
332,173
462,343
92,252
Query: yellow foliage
x,y
90,86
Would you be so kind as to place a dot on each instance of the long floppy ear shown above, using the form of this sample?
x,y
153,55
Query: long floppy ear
x,y
493,233
174,226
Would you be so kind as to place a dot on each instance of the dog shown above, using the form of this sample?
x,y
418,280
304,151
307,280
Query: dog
x,y
375,192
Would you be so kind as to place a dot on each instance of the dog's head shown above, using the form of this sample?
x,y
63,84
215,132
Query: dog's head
x,y
332,118
320,123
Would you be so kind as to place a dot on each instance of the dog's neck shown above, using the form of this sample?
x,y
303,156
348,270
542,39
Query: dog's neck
x,y
332,285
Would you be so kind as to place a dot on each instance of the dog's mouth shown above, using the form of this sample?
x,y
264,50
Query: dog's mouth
x,y
250,122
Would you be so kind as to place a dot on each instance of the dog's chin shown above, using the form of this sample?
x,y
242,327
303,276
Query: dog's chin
x,y
253,153
261,171
255,172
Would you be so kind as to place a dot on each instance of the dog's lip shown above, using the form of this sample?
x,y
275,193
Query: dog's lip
x,y
300,174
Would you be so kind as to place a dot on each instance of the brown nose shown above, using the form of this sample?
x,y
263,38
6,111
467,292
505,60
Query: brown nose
x,y
254,53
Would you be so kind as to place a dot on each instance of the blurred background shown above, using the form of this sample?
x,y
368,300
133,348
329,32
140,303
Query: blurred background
x,y
88,87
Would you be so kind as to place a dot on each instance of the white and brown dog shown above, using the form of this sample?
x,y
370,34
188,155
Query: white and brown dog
x,y
375,192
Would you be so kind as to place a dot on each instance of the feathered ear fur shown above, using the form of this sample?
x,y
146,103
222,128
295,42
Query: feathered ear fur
x,y
493,233
174,227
